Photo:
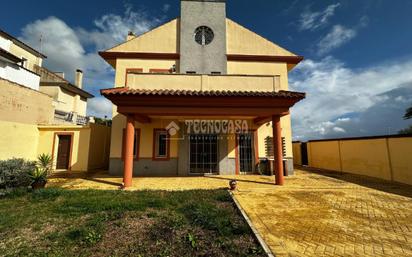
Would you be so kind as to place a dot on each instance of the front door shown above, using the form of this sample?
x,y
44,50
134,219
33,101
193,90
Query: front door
x,y
245,148
203,154
63,152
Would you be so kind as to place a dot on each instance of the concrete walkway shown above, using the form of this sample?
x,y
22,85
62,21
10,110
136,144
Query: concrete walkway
x,y
314,214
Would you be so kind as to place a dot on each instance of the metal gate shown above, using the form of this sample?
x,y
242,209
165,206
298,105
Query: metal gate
x,y
245,144
203,154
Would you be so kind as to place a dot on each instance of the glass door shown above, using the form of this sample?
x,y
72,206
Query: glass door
x,y
203,154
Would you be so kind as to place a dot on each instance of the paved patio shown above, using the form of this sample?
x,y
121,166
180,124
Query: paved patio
x,y
314,214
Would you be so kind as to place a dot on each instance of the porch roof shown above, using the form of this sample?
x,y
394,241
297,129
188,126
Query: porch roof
x,y
153,92
142,103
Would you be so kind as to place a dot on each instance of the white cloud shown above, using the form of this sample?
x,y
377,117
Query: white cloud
x,y
99,107
361,102
338,36
70,48
61,45
112,29
339,130
313,20
166,7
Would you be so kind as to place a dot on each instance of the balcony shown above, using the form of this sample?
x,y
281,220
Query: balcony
x,y
62,117
199,82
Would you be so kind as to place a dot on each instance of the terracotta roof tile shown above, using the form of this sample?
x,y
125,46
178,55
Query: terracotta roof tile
x,y
168,92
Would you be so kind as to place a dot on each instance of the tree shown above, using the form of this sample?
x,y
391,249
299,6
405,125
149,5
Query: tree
x,y
406,131
408,114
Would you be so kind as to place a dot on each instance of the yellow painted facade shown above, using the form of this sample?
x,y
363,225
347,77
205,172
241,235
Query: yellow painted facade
x,y
48,136
399,150
297,154
23,105
89,147
32,59
384,158
241,76
324,155
163,39
366,157
146,65
66,101
200,82
146,137
18,140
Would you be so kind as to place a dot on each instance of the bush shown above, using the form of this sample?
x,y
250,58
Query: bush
x,y
15,173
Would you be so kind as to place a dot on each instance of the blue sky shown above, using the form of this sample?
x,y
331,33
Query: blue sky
x,y
358,54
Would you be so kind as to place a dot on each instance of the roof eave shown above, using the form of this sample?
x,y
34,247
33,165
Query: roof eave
x,y
69,87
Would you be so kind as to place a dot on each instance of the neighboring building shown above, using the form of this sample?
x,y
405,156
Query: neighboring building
x,y
199,66
41,112
17,61
70,100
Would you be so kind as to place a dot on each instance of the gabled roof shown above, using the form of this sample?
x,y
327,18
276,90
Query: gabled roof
x,y
58,81
162,43
21,44
68,87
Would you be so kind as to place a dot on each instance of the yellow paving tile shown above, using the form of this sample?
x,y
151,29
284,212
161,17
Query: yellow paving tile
x,y
314,214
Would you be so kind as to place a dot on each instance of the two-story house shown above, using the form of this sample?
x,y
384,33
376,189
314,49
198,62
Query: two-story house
x,y
17,61
42,112
70,100
185,91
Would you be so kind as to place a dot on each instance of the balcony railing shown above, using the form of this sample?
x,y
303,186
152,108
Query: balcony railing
x,y
203,82
70,117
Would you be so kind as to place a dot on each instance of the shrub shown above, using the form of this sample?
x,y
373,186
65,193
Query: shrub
x,y
45,163
15,173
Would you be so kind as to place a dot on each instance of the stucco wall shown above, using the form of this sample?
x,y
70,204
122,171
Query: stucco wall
x,y
166,39
18,140
99,148
31,58
146,137
90,145
193,56
297,155
163,39
400,158
24,105
385,158
145,65
19,75
324,155
49,141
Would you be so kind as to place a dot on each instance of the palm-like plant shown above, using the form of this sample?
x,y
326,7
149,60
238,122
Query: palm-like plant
x,y
38,177
45,162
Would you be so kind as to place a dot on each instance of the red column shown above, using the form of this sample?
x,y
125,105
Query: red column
x,y
277,150
128,153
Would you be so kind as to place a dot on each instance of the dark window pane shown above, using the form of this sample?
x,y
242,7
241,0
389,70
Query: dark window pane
x,y
161,149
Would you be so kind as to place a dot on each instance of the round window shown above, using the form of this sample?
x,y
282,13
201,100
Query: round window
x,y
204,35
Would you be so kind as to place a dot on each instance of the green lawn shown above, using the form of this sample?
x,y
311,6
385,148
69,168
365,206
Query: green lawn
x,y
57,222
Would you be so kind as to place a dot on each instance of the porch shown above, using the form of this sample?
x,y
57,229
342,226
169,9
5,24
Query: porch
x,y
144,106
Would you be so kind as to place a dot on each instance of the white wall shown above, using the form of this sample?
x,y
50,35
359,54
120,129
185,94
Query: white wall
x,y
19,75
5,44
